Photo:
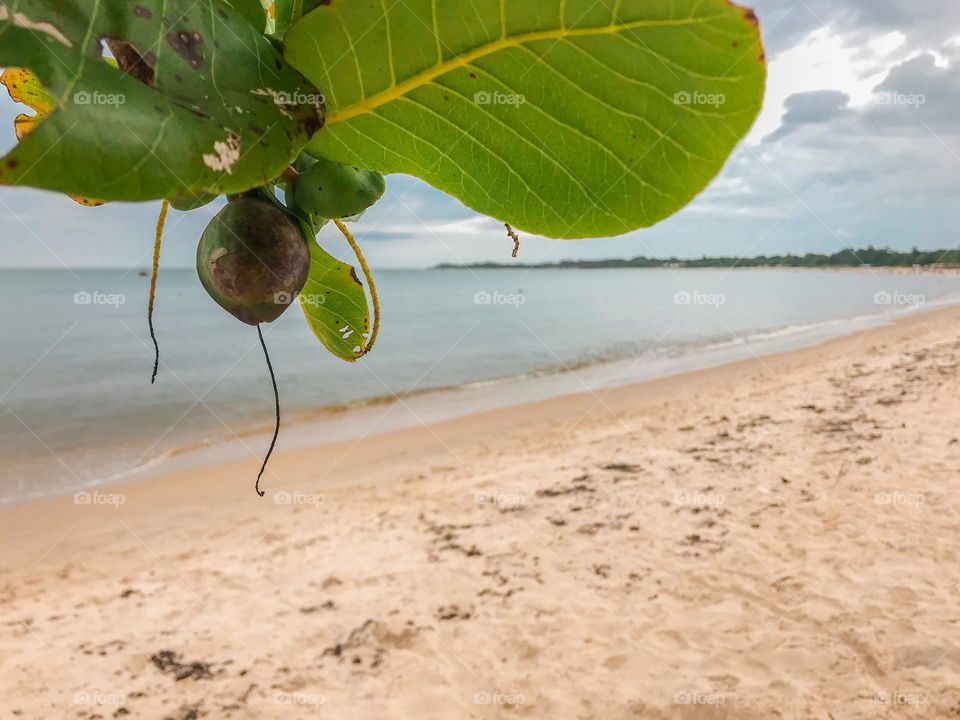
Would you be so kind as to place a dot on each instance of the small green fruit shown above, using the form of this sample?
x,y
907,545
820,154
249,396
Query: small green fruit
x,y
329,190
253,259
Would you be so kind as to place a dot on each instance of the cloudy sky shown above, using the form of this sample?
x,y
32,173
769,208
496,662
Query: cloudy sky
x,y
858,143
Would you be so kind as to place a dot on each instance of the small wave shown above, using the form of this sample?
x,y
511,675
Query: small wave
x,y
595,360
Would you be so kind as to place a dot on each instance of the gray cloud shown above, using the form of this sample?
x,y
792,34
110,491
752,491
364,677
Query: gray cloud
x,y
811,108
919,94
925,23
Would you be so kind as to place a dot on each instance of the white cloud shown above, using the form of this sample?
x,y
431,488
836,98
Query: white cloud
x,y
824,60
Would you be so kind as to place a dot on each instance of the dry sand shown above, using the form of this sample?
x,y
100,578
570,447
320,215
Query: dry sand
x,y
771,539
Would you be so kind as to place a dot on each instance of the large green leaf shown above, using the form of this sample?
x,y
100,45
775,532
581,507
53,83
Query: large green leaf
x,y
334,301
251,11
215,107
567,118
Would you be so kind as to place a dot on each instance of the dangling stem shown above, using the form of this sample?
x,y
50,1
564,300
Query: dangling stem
x,y
276,399
153,288
513,236
373,286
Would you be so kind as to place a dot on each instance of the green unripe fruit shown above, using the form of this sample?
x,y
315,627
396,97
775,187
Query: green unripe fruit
x,y
329,190
253,259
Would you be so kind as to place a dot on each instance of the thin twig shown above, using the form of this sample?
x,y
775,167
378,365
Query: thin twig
x,y
276,399
513,236
153,288
373,286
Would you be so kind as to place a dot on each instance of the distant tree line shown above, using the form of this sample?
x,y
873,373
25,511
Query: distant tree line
x,y
868,256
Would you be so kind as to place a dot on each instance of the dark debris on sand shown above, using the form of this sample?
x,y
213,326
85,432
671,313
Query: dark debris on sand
x,y
167,662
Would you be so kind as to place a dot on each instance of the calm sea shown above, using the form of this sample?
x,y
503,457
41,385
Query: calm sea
x,y
77,407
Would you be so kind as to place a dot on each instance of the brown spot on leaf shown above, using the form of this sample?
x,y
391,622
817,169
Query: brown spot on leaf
x,y
187,104
131,62
313,124
185,44
751,17
12,164
141,12
353,274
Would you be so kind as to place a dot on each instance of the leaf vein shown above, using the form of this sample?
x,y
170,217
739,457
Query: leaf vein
x,y
367,104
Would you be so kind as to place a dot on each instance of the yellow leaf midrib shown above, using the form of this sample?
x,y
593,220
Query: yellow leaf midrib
x,y
398,90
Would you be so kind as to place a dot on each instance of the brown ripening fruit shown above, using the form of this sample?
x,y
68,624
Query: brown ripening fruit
x,y
253,259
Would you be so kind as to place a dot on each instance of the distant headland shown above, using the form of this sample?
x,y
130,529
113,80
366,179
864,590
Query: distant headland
x,y
848,258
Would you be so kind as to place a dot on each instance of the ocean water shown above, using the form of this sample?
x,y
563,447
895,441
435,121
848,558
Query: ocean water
x,y
77,407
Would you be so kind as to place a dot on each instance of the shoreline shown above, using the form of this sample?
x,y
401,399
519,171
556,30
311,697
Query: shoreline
x,y
349,422
769,533
486,420
891,269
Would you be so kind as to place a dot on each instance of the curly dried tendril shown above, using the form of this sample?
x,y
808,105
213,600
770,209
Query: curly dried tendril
x,y
370,283
153,287
276,400
513,236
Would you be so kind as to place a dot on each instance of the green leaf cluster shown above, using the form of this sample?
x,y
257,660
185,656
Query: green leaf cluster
x,y
564,118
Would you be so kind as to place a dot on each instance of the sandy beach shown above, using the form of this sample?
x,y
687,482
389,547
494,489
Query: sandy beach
x,y
775,538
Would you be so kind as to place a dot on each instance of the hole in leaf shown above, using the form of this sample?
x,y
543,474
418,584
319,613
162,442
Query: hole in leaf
x,y
129,60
